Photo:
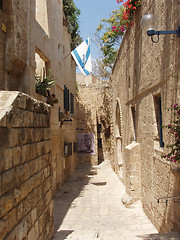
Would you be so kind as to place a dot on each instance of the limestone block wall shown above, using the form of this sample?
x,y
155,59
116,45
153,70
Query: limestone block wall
x,y
143,73
62,166
35,38
2,50
132,170
26,207
93,108
16,19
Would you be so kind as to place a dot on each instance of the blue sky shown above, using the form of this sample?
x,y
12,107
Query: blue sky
x,y
92,11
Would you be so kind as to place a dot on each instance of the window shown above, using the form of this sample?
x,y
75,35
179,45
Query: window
x,y
72,103
66,98
67,149
42,13
133,111
158,111
1,4
42,63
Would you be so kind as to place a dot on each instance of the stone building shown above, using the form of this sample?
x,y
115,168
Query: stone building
x,y
93,107
37,154
145,81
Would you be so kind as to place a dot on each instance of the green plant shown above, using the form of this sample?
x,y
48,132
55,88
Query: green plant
x,y
72,14
43,84
113,28
51,99
43,87
110,36
174,130
130,7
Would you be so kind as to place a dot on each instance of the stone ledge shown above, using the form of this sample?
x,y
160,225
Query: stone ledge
x,y
13,100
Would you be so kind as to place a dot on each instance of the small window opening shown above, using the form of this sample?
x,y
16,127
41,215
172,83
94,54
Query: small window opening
x,y
158,111
133,111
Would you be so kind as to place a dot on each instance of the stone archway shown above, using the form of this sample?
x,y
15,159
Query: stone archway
x,y
119,142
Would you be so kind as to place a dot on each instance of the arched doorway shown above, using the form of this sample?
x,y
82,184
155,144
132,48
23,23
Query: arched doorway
x,y
118,135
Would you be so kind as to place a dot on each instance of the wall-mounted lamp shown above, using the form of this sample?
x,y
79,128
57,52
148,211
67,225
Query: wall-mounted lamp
x,y
67,120
148,23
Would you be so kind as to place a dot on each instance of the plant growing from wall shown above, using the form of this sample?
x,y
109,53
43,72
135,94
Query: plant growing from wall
x,y
43,87
72,15
113,28
174,130
130,7
110,32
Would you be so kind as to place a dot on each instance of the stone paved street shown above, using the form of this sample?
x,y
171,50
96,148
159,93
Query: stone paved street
x,y
89,207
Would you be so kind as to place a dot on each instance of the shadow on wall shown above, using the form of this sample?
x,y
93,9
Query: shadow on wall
x,y
159,236
171,216
137,55
64,199
86,123
85,119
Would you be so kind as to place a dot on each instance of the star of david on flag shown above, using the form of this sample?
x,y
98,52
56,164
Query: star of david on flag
x,y
82,57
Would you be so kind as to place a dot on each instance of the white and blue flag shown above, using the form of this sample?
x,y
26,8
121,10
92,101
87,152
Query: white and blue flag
x,y
82,57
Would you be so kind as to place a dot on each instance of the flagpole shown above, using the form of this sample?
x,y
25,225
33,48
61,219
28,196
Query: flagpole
x,y
66,56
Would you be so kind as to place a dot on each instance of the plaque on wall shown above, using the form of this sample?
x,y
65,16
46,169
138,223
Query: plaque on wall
x,y
86,144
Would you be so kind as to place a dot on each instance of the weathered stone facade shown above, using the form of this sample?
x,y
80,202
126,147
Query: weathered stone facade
x,y
36,41
33,164
26,207
145,72
93,107
2,50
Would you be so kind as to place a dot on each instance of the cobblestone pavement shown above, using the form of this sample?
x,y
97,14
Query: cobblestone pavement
x,y
89,207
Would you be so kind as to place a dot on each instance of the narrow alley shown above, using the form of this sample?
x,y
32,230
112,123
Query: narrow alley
x,y
89,207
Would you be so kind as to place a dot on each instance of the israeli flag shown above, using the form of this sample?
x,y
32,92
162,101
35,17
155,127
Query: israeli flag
x,y
82,57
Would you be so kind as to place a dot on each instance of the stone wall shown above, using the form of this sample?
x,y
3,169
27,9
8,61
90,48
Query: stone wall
x,y
37,37
143,72
93,107
2,48
26,207
63,167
